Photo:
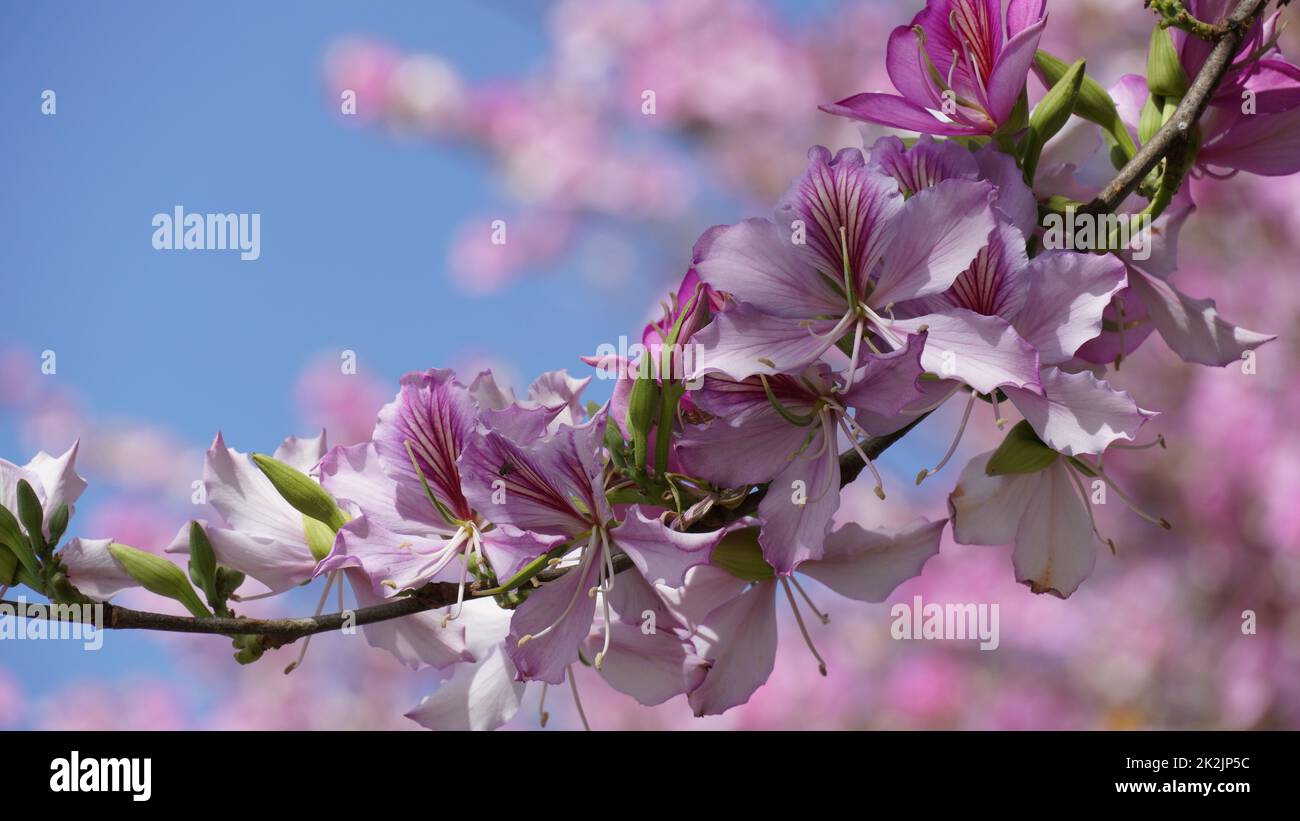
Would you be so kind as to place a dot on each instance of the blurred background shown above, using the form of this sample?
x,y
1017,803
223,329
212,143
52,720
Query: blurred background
x,y
375,239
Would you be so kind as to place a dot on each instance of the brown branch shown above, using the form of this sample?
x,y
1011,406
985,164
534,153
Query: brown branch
x,y
1172,139
1174,136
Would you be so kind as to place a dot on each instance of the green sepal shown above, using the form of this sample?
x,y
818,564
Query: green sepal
x,y
1050,115
1020,452
740,555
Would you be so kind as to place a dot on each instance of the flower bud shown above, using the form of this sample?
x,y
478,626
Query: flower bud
x,y
1165,75
298,489
1020,452
1093,103
642,410
11,536
157,575
31,515
203,564
1050,115
59,523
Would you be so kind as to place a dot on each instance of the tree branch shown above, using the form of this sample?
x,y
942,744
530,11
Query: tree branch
x,y
1174,136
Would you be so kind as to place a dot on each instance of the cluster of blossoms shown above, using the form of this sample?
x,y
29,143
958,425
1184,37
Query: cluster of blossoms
x,y
647,537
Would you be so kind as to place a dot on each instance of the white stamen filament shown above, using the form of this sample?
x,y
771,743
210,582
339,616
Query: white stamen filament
x,y
320,605
825,619
857,349
577,702
1132,505
853,440
542,715
803,629
588,554
952,448
606,585
1083,499
997,414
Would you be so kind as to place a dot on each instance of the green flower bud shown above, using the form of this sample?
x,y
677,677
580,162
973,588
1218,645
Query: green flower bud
x,y
298,489
1020,452
32,516
203,564
1050,115
1151,118
1093,103
642,410
59,523
157,575
11,536
320,538
1165,75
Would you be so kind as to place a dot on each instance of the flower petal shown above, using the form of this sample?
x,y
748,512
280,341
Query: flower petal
x,y
1055,548
897,112
738,641
433,415
480,696
1193,327
800,504
987,509
416,640
743,341
93,570
559,614
1065,295
985,352
868,564
935,237
661,554
756,262
1079,413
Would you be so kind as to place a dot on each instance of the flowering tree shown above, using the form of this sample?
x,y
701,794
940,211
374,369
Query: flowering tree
x,y
511,538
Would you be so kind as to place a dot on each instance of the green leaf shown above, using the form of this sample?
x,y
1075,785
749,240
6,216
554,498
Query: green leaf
x,y
1051,114
740,555
11,536
1165,75
1020,452
300,491
157,575
8,567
